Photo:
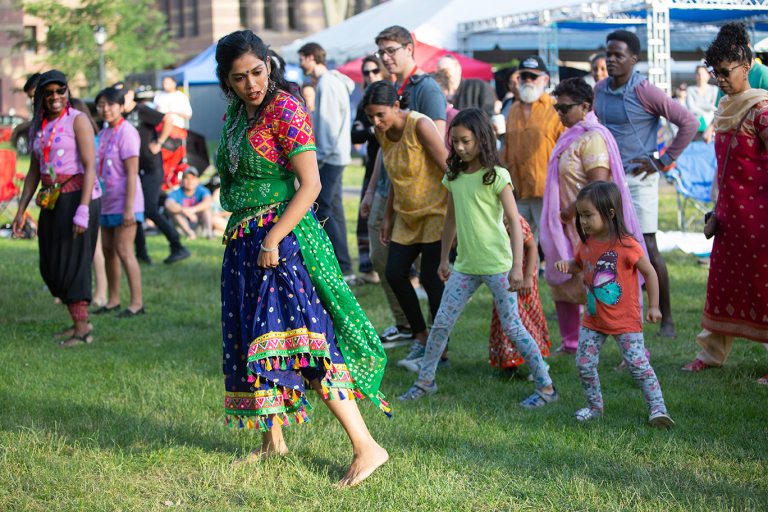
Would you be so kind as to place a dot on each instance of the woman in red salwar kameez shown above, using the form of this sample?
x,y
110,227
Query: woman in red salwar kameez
x,y
737,288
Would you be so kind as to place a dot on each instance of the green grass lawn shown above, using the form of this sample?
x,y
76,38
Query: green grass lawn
x,y
135,421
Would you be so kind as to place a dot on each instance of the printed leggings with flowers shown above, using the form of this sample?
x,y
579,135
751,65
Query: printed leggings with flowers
x,y
458,290
277,335
633,350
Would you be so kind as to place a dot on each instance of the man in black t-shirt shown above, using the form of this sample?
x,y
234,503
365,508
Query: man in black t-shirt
x,y
145,120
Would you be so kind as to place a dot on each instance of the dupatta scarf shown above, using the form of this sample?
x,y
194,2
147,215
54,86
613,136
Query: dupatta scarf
x,y
554,242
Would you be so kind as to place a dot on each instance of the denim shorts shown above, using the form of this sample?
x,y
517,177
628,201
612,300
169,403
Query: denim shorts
x,y
115,220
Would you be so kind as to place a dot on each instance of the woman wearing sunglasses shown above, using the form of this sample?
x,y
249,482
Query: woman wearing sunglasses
x,y
63,160
736,304
584,153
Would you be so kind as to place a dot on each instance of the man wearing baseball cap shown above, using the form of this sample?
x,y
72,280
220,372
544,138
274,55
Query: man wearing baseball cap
x,y
190,205
533,128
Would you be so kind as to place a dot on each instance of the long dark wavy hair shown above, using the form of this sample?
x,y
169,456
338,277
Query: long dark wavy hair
x,y
230,48
233,46
605,196
477,122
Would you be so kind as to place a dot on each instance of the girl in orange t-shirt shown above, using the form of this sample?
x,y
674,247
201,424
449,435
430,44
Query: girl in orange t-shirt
x,y
611,258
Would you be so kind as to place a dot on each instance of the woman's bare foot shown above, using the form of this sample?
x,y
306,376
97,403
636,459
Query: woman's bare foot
x,y
364,464
268,449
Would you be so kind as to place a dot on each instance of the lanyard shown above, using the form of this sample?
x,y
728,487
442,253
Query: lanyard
x,y
46,147
405,82
107,145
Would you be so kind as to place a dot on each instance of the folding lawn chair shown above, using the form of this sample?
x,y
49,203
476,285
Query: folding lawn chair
x,y
692,176
9,191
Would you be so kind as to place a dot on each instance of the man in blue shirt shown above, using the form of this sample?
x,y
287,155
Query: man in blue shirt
x,y
630,107
190,205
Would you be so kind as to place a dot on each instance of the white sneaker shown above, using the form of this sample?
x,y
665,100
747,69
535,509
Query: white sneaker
x,y
661,420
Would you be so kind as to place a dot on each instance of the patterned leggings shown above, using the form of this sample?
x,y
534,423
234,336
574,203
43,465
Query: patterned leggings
x,y
634,353
458,291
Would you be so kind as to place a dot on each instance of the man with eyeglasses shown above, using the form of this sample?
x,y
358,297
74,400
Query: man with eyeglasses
x,y
631,107
418,91
533,128
331,122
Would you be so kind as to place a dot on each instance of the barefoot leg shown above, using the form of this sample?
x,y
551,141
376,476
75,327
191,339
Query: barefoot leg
x,y
272,443
367,454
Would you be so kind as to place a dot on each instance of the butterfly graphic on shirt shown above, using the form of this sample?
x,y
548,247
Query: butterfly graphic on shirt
x,y
604,286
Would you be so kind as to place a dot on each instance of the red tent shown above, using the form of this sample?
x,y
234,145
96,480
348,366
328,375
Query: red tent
x,y
426,57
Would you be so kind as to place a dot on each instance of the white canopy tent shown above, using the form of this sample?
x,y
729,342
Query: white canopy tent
x,y
432,21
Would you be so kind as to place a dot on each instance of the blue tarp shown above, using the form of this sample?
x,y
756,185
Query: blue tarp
x,y
201,69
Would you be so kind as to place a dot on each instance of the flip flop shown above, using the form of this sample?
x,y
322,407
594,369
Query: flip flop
x,y
105,309
69,332
127,313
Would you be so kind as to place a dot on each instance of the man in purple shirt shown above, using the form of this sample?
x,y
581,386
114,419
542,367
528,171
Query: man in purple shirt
x,y
630,107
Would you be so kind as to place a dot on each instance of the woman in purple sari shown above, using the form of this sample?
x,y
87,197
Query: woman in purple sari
x,y
585,152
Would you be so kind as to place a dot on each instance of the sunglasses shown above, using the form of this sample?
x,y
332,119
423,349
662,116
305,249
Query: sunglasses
x,y
528,76
722,73
374,71
61,91
564,108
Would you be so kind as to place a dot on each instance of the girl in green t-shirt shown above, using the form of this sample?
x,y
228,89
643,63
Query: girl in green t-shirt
x,y
480,196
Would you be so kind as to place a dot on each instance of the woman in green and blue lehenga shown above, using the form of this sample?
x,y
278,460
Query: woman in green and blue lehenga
x,y
289,321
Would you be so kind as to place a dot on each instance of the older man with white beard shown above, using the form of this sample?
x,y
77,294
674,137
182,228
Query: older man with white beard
x,y
533,128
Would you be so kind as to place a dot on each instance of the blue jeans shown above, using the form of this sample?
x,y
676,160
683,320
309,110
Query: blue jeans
x,y
330,213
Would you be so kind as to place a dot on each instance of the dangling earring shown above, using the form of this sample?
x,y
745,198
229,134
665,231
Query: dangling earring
x,y
271,87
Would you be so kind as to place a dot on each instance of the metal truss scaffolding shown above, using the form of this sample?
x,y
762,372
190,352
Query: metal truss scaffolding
x,y
657,18
659,51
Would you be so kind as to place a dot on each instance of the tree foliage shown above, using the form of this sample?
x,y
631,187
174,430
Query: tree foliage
x,y
138,39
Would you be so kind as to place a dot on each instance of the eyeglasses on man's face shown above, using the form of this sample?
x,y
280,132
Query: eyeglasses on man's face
x,y
389,52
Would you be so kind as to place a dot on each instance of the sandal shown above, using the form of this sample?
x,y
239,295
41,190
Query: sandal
x,y
69,331
540,399
563,351
106,309
75,340
696,366
587,414
418,390
127,313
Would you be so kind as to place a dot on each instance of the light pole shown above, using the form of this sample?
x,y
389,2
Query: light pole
x,y
100,36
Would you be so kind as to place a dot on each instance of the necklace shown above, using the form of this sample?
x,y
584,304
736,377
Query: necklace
x,y
46,147
108,145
